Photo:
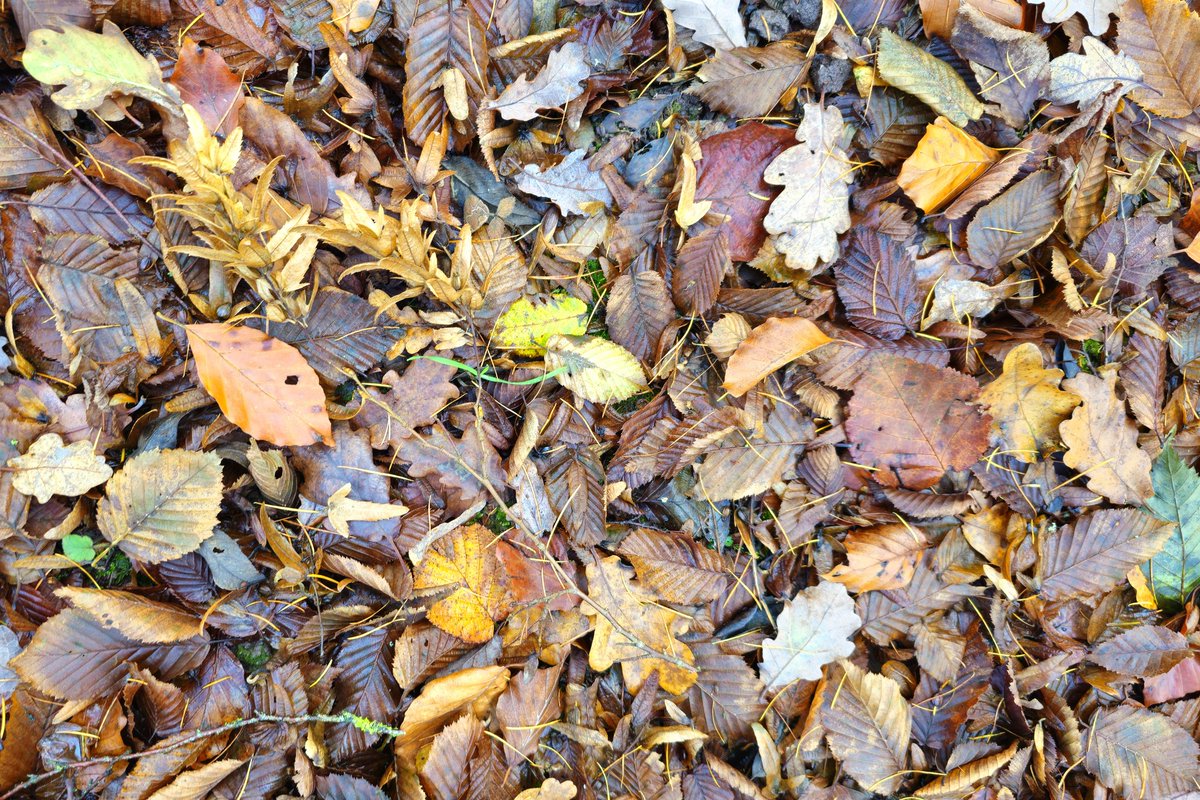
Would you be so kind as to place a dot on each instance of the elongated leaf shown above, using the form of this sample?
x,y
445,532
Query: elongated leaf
x,y
1141,754
868,724
767,348
75,209
878,285
594,368
676,566
162,504
1161,36
639,309
1143,652
341,332
1093,554
263,385
1016,221
727,696
740,465
451,37
134,616
702,263
73,657
911,69
748,81
1174,573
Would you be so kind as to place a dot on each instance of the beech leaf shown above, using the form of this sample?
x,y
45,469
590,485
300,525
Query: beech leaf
x,y
768,347
595,369
910,69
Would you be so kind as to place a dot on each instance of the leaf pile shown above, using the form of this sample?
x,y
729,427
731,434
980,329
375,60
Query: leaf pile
x,y
551,399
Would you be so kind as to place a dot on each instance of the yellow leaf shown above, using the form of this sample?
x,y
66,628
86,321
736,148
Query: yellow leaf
x,y
474,689
528,323
263,385
466,559
768,347
595,369
638,611
51,468
689,211
910,69
947,160
1026,404
341,511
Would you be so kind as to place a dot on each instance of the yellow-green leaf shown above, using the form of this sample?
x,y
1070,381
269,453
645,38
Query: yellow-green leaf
x,y
595,369
910,69
530,322
92,67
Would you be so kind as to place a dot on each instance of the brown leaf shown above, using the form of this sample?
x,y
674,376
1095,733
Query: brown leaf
x,y
474,689
1015,222
676,567
1159,36
749,81
913,422
452,38
1102,442
207,85
878,285
134,616
1093,554
1143,652
1139,753
531,701
639,310
868,725
702,262
883,557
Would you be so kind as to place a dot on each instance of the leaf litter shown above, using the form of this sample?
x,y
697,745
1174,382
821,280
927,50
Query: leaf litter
x,y
540,399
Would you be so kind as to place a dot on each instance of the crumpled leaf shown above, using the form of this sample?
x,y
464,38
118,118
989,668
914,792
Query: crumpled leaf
x,y
595,369
716,23
910,69
814,629
530,322
555,85
1102,441
813,207
94,66
1076,78
655,626
465,560
1026,404
947,160
570,185
162,504
50,468
342,510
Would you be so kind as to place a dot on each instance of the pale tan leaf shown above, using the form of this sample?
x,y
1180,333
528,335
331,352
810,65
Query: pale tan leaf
x,y
749,81
555,85
868,725
814,629
1141,754
474,689
1093,554
1102,441
132,615
717,23
197,783
1161,36
50,468
1015,222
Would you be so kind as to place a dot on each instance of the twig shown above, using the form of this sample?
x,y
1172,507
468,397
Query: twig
x,y
362,723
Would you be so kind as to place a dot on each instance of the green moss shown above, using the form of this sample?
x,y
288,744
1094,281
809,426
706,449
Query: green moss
x,y
114,569
253,655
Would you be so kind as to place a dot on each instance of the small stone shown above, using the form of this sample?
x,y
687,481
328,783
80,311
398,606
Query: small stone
x,y
770,25
828,74
805,13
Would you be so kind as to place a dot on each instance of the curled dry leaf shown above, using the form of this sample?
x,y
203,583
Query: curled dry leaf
x,y
1102,442
947,160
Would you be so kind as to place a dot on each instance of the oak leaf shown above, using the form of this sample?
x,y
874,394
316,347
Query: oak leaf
x,y
263,385
717,23
1102,442
162,504
814,629
914,421
555,85
768,347
1026,404
639,613
571,185
813,207
466,561
50,468
1082,77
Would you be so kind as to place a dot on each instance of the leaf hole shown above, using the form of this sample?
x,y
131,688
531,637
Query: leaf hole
x,y
292,380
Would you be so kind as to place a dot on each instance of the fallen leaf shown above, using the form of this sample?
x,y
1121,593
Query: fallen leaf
x,y
555,85
1092,555
813,207
716,23
1143,652
814,629
263,385
1102,442
947,160
465,560
749,81
868,724
1140,753
883,557
1026,404
207,84
933,81
570,185
50,468
1081,78
593,368
1094,13
768,347
1159,35
342,510
656,627
1174,573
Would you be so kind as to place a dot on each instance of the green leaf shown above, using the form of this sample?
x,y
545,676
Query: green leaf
x,y
1175,572
530,322
78,548
92,67
910,69
595,369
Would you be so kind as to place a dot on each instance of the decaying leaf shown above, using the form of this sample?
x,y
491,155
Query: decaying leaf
x,y
595,369
466,561
716,23
911,69
813,630
813,207
50,467
868,725
555,84
883,557
263,385
1160,36
1102,441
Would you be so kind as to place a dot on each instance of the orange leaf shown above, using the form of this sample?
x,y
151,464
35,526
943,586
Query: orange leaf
x,y
947,160
768,347
263,385
883,557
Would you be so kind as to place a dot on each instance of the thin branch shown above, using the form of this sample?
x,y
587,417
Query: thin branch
x,y
369,725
